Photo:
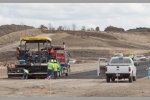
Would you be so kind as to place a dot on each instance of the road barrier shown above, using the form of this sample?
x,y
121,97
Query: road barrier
x,y
149,73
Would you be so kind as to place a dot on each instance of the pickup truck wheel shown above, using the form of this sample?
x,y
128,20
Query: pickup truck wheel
x,y
134,78
130,79
107,79
112,79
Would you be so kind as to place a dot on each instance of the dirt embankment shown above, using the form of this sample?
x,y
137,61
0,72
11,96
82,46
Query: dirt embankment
x,y
15,36
99,44
91,46
6,29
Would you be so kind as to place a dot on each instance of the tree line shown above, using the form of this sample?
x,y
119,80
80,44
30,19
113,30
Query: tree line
x,y
72,28
96,29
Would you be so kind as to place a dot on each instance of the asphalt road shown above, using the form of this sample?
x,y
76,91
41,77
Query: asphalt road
x,y
142,69
92,74
141,72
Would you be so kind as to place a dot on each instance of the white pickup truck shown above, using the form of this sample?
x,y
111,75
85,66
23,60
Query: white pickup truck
x,y
121,68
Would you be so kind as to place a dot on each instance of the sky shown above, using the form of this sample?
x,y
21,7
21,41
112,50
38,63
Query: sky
x,y
123,15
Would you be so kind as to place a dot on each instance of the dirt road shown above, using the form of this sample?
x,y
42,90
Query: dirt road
x,y
74,87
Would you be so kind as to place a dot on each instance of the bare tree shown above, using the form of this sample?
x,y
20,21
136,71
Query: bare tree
x,y
83,31
60,28
50,26
73,27
65,27
53,28
68,28
88,29
83,28
92,29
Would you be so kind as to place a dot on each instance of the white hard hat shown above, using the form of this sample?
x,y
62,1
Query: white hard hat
x,y
52,60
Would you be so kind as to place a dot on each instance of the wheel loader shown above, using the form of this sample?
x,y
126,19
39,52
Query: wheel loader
x,y
34,54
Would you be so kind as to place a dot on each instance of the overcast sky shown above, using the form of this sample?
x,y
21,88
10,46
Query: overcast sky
x,y
126,15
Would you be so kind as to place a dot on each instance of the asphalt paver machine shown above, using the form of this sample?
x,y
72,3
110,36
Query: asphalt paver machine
x,y
34,54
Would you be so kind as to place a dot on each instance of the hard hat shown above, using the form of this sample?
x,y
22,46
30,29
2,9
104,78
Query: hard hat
x,y
51,60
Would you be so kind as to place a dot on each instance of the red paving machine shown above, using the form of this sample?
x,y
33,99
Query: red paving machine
x,y
34,53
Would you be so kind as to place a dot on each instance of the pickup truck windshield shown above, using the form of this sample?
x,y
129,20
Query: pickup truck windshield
x,y
120,61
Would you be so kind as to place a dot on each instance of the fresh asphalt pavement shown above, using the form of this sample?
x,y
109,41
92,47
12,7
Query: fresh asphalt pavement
x,y
142,71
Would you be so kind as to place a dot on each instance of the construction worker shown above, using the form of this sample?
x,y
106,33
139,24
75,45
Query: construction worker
x,y
18,52
131,56
64,45
50,69
60,68
25,73
56,68
19,47
52,52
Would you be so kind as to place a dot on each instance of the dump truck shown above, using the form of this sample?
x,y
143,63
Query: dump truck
x,y
34,54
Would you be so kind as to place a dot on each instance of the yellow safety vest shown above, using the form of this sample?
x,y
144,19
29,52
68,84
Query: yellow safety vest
x,y
56,66
131,56
19,47
50,66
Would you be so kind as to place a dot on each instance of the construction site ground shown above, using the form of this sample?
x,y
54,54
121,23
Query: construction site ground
x,y
83,80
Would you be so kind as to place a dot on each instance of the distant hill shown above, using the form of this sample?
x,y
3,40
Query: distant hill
x,y
140,29
5,29
113,29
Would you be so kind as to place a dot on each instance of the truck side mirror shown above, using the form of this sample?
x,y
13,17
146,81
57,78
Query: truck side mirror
x,y
72,61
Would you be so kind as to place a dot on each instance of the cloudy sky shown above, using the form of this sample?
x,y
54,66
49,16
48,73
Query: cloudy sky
x,y
126,15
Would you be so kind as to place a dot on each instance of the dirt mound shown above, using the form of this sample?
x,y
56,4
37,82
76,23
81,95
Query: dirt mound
x,y
7,56
113,29
15,36
5,29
